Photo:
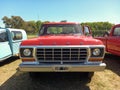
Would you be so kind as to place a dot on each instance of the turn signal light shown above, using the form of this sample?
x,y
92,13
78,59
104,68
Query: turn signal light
x,y
95,59
28,59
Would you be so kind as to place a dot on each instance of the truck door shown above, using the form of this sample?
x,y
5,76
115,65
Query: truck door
x,y
114,41
5,50
17,37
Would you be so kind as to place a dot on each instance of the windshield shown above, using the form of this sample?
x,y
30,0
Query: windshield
x,y
61,29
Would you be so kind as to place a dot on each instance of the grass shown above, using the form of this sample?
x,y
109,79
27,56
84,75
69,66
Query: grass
x,y
31,36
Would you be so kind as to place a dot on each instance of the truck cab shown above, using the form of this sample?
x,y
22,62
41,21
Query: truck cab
x,y
10,40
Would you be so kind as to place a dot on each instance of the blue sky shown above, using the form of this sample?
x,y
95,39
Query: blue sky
x,y
57,10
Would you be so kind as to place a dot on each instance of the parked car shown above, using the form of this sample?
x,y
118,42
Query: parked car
x,y
10,40
112,40
62,47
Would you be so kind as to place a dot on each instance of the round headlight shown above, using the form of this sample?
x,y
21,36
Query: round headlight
x,y
96,52
27,52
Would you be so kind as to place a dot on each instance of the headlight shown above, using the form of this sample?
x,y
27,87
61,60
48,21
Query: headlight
x,y
96,52
27,52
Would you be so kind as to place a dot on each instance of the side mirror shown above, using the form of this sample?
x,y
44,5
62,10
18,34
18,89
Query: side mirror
x,y
87,31
106,34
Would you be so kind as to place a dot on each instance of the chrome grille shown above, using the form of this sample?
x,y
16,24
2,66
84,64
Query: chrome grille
x,y
62,54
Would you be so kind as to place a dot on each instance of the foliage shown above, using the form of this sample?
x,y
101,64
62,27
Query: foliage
x,y
13,22
99,28
19,23
32,27
99,25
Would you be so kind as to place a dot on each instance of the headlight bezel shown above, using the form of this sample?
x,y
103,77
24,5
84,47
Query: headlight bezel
x,y
100,51
96,52
22,52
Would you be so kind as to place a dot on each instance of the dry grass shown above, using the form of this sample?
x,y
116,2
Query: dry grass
x,y
11,79
31,36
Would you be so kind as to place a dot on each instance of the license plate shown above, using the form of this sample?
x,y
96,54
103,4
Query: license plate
x,y
61,68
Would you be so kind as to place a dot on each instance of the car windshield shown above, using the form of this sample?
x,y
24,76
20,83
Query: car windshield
x,y
61,29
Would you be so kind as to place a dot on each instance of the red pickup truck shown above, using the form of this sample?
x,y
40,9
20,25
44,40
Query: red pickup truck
x,y
62,47
112,40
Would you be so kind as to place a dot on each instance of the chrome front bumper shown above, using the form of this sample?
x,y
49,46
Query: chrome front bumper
x,y
62,67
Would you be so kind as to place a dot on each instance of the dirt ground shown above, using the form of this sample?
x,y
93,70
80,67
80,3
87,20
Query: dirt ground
x,y
12,79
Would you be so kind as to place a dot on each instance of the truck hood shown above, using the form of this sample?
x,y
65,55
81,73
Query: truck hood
x,y
62,40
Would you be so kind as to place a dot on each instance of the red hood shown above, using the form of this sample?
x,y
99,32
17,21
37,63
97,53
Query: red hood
x,y
62,40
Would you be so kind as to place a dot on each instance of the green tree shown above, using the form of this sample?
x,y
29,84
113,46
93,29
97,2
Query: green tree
x,y
7,21
30,26
99,28
13,22
38,25
19,23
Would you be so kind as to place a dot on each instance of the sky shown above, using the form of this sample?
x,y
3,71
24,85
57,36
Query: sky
x,y
57,10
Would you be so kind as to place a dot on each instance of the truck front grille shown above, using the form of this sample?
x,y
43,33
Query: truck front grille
x,y
62,54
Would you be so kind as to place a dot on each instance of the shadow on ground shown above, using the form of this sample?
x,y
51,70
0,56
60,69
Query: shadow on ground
x,y
9,60
47,81
113,63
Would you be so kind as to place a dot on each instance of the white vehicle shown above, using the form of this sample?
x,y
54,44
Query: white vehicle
x,y
10,40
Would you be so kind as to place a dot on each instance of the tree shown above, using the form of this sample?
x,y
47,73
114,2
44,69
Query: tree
x,y
17,22
13,22
38,25
98,25
30,26
7,21
99,28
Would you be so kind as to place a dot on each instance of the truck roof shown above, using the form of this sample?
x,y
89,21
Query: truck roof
x,y
11,29
117,25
